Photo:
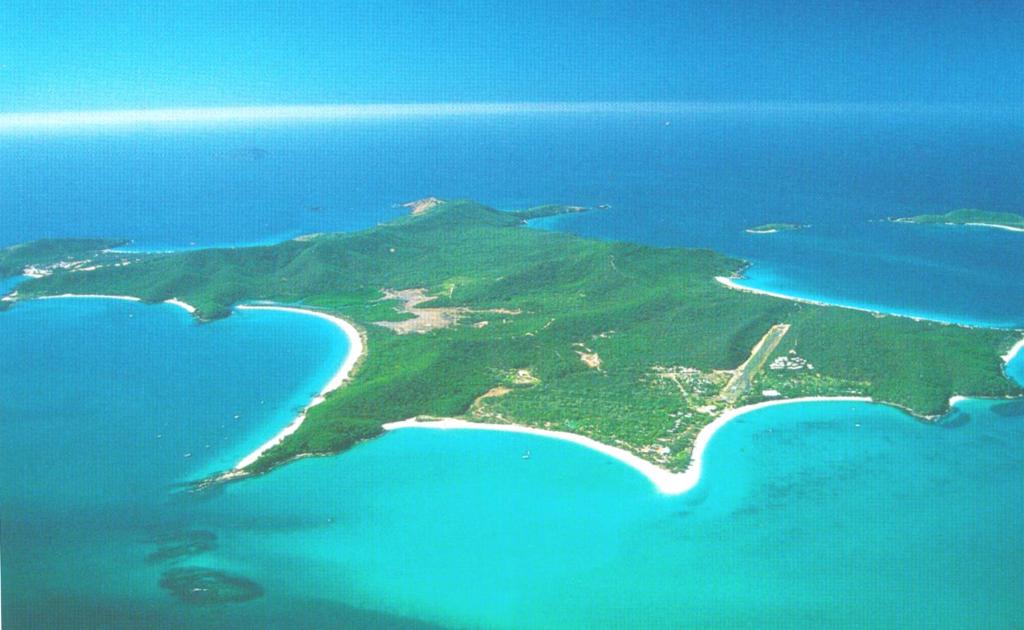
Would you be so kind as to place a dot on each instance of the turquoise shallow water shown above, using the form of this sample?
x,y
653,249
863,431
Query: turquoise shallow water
x,y
803,517
831,514
8,284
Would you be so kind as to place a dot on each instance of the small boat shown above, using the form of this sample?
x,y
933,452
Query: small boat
x,y
526,454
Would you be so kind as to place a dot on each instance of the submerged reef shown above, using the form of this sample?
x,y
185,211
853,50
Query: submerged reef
x,y
202,586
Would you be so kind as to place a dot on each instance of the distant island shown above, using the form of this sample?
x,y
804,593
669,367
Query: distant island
x,y
772,228
419,206
968,217
464,314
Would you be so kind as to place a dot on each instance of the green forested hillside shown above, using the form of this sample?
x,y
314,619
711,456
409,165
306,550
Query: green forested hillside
x,y
628,344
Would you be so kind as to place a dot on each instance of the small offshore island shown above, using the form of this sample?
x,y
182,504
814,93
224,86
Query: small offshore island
x,y
459,314
772,228
971,218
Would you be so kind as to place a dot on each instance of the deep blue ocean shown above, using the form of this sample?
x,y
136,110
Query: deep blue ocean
x,y
816,515
695,181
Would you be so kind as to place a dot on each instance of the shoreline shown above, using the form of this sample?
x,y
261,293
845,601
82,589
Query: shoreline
x,y
1008,228
191,310
665,481
1013,352
356,351
979,224
89,296
735,286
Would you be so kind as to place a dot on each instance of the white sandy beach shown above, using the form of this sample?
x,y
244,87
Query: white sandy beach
x,y
184,305
90,296
665,481
732,284
1008,228
129,298
355,352
1013,352
689,479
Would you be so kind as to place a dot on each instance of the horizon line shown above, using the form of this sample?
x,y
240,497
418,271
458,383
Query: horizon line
x,y
107,118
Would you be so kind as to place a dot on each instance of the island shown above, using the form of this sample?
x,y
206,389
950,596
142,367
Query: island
x,y
460,314
968,217
772,228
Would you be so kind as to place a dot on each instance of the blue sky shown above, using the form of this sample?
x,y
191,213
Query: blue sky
x,y
117,55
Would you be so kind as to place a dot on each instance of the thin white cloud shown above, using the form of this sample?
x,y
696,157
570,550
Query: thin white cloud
x,y
129,118
42,121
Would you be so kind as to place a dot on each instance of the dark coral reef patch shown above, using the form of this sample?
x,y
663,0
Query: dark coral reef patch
x,y
202,586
